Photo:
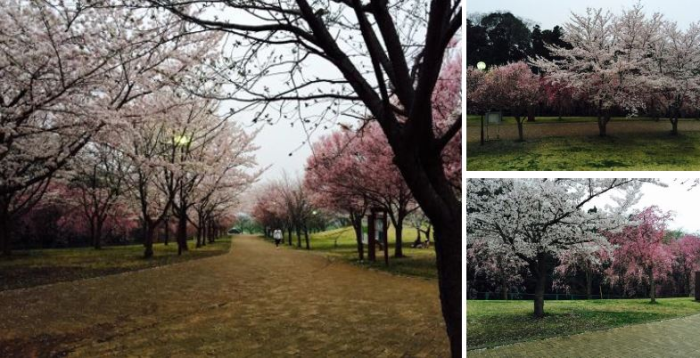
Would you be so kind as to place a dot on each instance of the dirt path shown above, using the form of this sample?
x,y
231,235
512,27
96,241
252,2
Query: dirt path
x,y
671,338
256,301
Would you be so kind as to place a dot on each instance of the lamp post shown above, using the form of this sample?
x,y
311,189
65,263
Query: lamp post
x,y
481,66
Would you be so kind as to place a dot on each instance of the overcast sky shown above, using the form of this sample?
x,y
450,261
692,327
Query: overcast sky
x,y
678,197
549,13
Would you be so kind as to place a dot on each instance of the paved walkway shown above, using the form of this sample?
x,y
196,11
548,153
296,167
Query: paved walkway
x,y
671,338
256,301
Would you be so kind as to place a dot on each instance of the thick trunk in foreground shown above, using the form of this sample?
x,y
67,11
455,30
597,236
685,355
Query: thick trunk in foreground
x,y
425,176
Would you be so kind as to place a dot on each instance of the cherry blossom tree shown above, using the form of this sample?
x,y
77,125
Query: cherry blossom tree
x,y
608,63
686,250
642,254
676,56
512,88
327,176
537,220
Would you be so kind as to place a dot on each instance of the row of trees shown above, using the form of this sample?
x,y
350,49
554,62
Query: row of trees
x,y
545,232
629,62
97,113
350,172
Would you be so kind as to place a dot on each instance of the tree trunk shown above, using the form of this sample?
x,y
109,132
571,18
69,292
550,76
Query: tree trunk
x,y
149,232
531,114
652,293
674,126
589,279
182,230
306,238
540,286
398,247
357,226
167,230
603,119
5,230
97,234
298,230
289,235
521,136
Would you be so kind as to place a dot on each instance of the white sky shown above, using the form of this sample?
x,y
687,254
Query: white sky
x,y
679,197
549,13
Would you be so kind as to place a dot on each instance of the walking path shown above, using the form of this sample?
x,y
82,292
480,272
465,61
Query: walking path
x,y
256,301
671,338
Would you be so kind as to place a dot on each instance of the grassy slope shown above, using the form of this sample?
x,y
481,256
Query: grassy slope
x,y
494,323
340,243
38,267
652,151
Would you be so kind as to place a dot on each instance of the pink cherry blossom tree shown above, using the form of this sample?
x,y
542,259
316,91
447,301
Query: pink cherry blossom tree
x,y
513,88
686,250
641,254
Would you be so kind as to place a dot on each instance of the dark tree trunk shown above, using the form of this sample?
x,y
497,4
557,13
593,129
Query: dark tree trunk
x,y
289,235
97,234
357,226
539,297
298,230
398,248
306,238
589,279
182,230
603,119
674,126
521,135
652,283
149,233
5,231
531,114
167,230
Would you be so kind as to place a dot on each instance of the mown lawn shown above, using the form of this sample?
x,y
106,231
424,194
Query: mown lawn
x,y
495,323
628,151
341,244
28,268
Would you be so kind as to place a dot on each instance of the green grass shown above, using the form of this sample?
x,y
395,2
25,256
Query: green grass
x,y
341,244
640,151
494,323
28,268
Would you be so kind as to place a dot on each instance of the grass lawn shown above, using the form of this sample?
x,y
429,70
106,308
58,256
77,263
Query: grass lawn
x,y
341,244
495,323
27,268
628,151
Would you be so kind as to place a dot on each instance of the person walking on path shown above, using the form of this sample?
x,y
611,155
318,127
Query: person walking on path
x,y
277,235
